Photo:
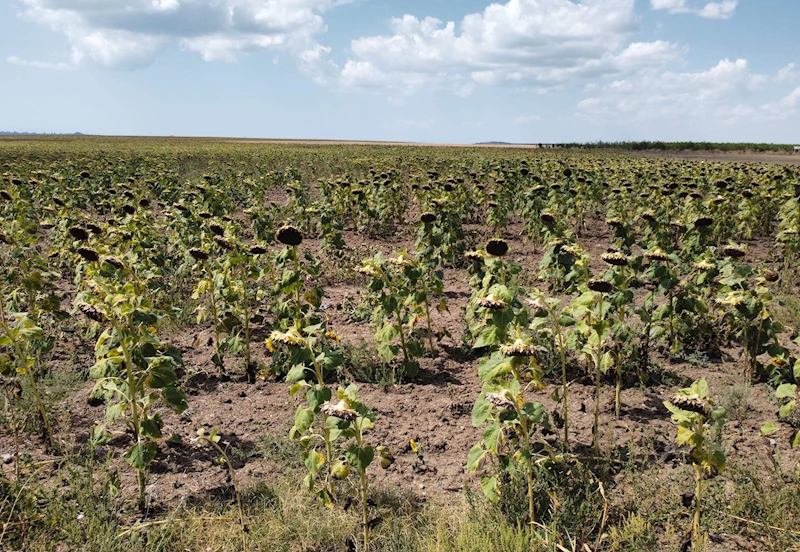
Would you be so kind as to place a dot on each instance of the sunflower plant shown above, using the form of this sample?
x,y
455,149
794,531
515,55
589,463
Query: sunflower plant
x,y
510,420
694,413
397,286
134,370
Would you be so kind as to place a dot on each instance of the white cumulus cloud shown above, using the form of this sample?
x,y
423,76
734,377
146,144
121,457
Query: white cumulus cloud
x,y
130,33
540,44
727,92
711,10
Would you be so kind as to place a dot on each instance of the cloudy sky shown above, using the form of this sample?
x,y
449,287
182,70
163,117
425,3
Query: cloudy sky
x,y
422,70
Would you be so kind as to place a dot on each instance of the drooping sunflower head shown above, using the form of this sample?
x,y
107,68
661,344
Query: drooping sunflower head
x,y
600,285
734,251
615,258
90,312
656,254
500,401
289,235
198,254
339,410
492,302
520,348
691,403
78,233
89,254
497,247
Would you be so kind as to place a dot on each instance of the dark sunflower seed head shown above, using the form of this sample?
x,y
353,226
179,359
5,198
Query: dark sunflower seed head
x,y
615,258
198,254
257,250
223,243
734,251
79,233
90,312
115,262
599,285
217,229
89,254
428,218
497,247
691,404
289,235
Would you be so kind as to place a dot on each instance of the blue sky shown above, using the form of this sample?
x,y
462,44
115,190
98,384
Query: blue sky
x,y
431,71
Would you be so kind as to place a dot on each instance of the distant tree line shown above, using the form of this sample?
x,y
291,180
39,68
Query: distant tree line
x,y
682,146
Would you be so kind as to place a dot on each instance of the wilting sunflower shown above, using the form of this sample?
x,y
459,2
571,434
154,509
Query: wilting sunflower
x,y
538,306
492,302
428,218
115,262
89,254
599,285
402,259
223,243
733,250
704,265
198,254
520,348
290,338
656,254
90,312
289,235
339,410
78,233
500,401
547,218
257,250
497,247
369,270
691,403
615,258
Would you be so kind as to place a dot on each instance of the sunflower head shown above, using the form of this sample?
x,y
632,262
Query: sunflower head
x,y
78,233
492,302
115,262
615,258
497,247
600,285
733,250
428,218
656,254
520,348
289,235
500,401
339,410
90,312
89,254
547,218
223,243
198,254
691,403
703,222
